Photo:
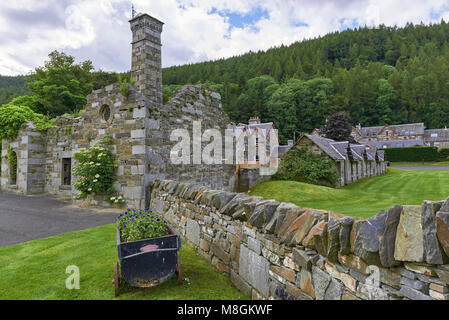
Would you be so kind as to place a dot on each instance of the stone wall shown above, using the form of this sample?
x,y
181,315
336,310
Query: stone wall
x,y
126,126
190,103
275,250
141,144
30,149
249,177
58,146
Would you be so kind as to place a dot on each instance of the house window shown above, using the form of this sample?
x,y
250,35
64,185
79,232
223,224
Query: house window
x,y
12,159
66,171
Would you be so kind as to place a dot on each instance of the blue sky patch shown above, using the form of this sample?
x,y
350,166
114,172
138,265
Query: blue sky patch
x,y
237,20
348,24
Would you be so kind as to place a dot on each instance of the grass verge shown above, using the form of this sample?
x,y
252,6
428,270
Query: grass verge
x,y
365,197
36,270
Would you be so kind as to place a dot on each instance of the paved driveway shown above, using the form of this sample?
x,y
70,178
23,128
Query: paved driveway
x,y
27,218
421,167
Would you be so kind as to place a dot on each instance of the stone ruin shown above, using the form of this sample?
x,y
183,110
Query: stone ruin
x,y
138,123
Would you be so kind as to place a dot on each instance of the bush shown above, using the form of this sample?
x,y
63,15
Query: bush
x,y
412,154
124,85
137,225
299,164
12,117
96,171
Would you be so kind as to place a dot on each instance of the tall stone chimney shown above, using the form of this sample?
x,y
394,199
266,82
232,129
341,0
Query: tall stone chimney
x,y
146,66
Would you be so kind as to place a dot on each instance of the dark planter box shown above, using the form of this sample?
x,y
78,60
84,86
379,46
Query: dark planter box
x,y
149,262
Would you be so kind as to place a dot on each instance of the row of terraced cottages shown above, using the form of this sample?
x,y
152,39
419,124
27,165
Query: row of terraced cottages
x,y
353,161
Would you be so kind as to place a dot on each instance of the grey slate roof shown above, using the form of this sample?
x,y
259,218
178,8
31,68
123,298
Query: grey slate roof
x,y
266,126
357,151
395,143
401,129
381,155
436,135
341,147
371,154
282,150
338,150
326,145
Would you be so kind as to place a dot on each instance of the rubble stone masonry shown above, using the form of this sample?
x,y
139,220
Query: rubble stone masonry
x,y
273,250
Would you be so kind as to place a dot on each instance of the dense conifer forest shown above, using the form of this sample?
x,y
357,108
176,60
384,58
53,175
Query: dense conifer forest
x,y
378,75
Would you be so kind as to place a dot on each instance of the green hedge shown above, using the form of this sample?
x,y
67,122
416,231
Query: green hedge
x,y
444,154
412,154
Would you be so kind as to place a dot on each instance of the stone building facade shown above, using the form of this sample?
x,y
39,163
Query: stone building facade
x,y
139,126
352,161
401,135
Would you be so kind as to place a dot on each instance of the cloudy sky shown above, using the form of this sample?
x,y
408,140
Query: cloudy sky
x,y
194,30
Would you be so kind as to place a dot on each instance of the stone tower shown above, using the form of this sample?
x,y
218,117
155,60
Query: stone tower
x,y
146,66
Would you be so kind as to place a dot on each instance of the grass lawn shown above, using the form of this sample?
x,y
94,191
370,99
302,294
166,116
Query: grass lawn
x,y
36,270
365,197
441,163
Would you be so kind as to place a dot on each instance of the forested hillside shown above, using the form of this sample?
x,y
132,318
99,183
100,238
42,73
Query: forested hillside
x,y
378,75
11,87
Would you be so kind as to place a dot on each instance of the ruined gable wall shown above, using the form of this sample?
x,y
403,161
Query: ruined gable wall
x,y
126,127
190,103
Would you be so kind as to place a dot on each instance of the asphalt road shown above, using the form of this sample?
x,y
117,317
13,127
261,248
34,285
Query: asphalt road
x,y
421,167
25,218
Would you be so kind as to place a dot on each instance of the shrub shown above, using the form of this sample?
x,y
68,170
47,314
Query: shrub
x,y
299,164
124,85
412,154
96,171
12,117
136,225
116,200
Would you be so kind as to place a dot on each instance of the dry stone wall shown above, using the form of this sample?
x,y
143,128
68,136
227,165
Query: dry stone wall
x,y
273,250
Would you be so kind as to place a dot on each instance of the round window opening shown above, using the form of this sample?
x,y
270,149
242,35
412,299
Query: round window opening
x,y
106,113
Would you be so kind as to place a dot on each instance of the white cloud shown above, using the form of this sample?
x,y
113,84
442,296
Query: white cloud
x,y
194,30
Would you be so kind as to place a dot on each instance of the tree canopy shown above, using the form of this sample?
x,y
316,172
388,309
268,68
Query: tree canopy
x,y
60,86
377,75
337,127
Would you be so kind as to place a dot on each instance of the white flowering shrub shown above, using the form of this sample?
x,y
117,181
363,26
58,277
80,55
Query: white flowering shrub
x,y
95,170
116,200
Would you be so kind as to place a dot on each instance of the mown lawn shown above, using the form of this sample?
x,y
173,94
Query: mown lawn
x,y
36,270
440,163
365,197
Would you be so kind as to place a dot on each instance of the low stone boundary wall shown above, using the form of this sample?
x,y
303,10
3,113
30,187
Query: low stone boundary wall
x,y
275,250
